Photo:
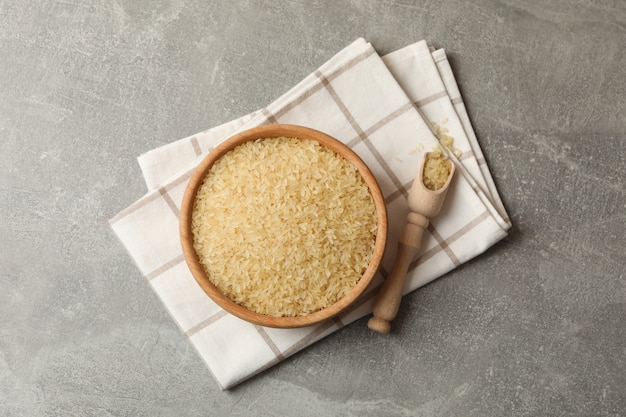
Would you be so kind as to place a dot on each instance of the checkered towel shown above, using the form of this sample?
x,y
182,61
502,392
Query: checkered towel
x,y
387,109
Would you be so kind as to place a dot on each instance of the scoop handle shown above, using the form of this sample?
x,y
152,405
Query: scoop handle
x,y
388,299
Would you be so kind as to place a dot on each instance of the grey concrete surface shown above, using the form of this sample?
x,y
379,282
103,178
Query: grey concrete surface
x,y
534,327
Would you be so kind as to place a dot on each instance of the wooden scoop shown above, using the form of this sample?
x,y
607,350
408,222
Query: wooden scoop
x,y
424,204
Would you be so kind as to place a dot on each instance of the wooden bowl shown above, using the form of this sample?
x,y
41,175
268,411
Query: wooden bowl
x,y
272,131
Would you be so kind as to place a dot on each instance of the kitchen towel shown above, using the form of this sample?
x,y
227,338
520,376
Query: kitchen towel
x,y
388,110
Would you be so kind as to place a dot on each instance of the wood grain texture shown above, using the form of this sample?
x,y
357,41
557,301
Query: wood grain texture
x,y
424,204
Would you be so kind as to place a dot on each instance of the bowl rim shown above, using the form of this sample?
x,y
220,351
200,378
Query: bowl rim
x,y
274,131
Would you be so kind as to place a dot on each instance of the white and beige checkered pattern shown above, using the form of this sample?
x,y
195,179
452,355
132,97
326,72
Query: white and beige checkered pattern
x,y
378,107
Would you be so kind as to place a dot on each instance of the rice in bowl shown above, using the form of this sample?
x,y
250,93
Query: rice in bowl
x,y
284,226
